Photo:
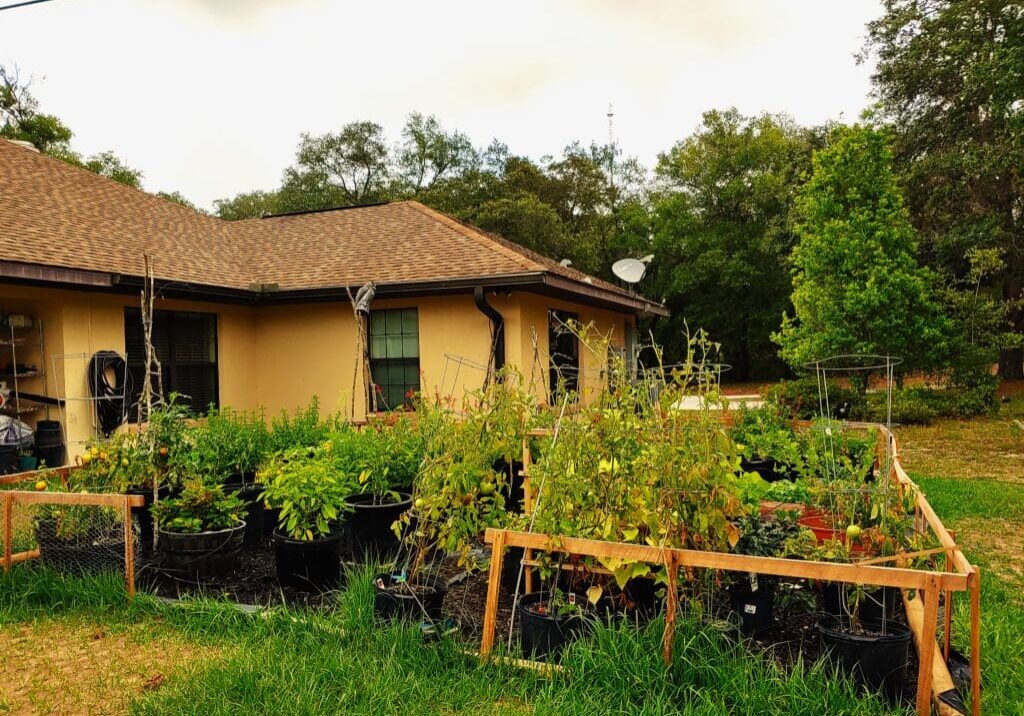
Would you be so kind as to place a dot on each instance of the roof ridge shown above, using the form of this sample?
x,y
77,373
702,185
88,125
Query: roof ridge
x,y
474,234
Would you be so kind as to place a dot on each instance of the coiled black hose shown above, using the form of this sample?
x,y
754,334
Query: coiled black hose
x,y
110,397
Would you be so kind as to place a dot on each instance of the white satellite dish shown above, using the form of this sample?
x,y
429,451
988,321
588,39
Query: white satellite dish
x,y
630,270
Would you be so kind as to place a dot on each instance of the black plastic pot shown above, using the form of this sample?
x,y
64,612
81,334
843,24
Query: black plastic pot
x,y
544,636
8,459
143,516
756,608
877,660
871,604
309,566
255,514
513,490
511,561
368,533
201,556
50,443
93,551
420,601
770,469
271,517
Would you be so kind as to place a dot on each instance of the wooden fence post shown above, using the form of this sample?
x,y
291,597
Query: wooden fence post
x,y
974,585
8,530
927,651
493,592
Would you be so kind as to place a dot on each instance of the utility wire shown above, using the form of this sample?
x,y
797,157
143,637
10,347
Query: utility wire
x,y
21,4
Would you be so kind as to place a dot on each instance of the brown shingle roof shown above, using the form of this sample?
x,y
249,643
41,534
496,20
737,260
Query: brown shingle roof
x,y
54,214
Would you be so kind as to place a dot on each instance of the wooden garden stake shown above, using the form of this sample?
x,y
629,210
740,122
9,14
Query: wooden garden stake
x,y
947,617
926,652
493,591
974,585
671,606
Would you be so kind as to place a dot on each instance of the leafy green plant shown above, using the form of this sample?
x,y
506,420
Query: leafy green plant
x,y
765,432
120,463
200,508
302,428
226,443
310,490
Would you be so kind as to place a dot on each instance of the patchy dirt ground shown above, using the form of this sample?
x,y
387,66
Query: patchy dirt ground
x,y
77,668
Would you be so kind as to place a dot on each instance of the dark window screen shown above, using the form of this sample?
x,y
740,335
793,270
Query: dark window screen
x,y
186,346
395,356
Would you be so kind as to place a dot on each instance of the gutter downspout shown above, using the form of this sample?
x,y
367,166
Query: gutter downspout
x,y
497,327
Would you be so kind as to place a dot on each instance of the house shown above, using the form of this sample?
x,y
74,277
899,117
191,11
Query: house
x,y
257,312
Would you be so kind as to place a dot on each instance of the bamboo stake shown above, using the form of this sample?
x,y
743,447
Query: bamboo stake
x,y
129,548
493,591
671,607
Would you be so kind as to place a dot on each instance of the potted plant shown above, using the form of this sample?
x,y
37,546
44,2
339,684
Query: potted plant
x,y
304,484
385,456
200,531
753,596
548,622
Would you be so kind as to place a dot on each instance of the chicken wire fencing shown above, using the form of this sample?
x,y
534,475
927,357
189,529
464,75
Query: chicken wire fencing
x,y
70,534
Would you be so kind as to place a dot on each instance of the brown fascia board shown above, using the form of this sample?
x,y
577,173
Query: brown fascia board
x,y
537,282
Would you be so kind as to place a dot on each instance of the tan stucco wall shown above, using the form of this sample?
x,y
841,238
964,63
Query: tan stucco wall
x,y
278,357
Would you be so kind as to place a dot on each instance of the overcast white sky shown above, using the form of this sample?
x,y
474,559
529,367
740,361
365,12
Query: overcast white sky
x,y
209,96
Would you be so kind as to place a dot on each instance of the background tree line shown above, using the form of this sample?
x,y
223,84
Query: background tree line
x,y
901,234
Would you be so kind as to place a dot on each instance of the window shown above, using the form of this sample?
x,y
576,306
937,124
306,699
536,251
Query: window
x,y
564,352
186,346
394,356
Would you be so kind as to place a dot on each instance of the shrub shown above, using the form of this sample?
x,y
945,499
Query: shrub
x,y
309,488
799,399
303,427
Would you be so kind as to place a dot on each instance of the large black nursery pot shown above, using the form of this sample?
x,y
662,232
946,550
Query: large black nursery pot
x,y
200,556
877,660
94,550
421,600
544,636
143,516
255,514
50,443
368,533
754,606
308,565
770,469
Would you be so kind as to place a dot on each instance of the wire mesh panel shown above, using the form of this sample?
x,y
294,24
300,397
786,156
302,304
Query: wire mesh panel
x,y
73,534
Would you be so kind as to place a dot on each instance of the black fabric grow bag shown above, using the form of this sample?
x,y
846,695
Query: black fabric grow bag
x,y
196,557
368,533
878,661
770,469
309,566
420,603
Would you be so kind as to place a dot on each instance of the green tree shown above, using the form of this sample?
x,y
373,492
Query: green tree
x,y
948,77
344,168
857,285
178,198
722,231
429,154
247,205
